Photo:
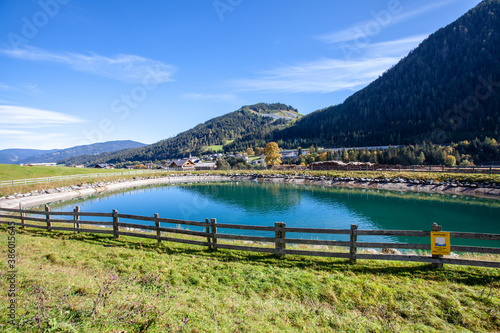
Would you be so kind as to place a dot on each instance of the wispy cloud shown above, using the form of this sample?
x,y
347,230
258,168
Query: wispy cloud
x,y
393,48
122,67
323,76
371,27
24,117
219,98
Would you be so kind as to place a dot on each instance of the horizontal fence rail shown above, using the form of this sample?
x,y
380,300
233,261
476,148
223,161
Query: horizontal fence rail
x,y
40,180
165,229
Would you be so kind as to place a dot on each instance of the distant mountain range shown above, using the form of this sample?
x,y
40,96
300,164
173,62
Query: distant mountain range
x,y
18,156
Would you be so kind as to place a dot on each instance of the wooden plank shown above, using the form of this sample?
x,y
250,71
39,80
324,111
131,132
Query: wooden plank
x,y
97,231
185,232
319,231
63,229
244,227
96,223
116,227
246,248
395,245
174,221
184,241
473,235
475,249
213,226
248,238
47,214
396,257
134,234
318,253
316,242
353,245
76,218
157,225
136,217
137,226
466,262
414,233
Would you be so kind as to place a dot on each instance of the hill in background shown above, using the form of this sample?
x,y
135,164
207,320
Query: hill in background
x,y
447,89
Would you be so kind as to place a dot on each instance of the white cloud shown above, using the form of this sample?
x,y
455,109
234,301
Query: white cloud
x,y
24,117
362,30
323,76
219,98
122,67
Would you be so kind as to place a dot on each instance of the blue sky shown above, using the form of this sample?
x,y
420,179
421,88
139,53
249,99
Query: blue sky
x,y
76,72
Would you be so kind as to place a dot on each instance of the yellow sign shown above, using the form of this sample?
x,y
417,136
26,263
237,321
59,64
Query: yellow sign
x,y
440,243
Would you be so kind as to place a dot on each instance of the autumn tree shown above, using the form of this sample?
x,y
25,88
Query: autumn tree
x,y
272,153
250,152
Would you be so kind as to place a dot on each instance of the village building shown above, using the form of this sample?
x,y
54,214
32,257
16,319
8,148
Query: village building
x,y
205,166
182,165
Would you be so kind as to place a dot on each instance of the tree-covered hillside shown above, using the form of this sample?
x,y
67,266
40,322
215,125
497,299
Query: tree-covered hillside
x,y
214,132
447,89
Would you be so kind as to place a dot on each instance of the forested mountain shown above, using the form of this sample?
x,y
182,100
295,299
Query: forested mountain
x,y
447,89
207,137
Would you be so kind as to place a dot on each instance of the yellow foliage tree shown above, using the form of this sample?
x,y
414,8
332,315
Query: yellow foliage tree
x,y
272,153
250,152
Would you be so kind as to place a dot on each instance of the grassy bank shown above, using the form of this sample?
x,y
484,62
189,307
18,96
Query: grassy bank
x,y
92,283
12,171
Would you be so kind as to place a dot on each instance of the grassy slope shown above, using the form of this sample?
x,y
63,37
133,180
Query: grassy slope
x,y
12,171
71,282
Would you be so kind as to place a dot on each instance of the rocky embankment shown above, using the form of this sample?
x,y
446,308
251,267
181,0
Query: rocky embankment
x,y
35,198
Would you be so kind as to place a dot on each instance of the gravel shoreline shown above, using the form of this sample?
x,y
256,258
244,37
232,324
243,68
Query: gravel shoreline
x,y
36,198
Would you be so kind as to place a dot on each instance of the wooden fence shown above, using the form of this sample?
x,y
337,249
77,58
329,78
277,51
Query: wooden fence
x,y
29,181
165,229
326,166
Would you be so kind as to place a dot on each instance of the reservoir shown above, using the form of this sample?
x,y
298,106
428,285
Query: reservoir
x,y
263,204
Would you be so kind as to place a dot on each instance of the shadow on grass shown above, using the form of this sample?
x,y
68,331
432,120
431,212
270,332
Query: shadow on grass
x,y
457,274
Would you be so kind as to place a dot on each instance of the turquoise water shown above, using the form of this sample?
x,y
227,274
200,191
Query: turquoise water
x,y
253,203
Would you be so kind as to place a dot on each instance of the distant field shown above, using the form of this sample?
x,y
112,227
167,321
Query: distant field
x,y
215,147
12,171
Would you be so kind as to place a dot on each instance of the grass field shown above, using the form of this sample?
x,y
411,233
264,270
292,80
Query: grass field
x,y
91,283
12,171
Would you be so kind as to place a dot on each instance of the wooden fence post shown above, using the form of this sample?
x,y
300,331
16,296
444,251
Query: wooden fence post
x,y
283,235
76,218
47,218
116,229
23,222
213,222
158,231
436,227
353,247
209,239
279,235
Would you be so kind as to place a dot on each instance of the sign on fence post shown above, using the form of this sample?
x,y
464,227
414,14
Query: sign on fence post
x,y
353,247
439,249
